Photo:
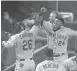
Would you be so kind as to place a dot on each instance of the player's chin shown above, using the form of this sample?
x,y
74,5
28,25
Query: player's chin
x,y
56,28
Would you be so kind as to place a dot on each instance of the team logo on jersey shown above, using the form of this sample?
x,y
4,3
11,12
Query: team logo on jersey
x,y
26,35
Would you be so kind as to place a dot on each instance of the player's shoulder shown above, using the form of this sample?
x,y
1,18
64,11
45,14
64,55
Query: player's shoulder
x,y
33,28
66,28
69,60
14,36
42,63
25,32
55,61
69,29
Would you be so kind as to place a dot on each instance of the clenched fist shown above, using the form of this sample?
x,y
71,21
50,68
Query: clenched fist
x,y
43,9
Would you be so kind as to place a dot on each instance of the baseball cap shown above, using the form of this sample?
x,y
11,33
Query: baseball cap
x,y
60,18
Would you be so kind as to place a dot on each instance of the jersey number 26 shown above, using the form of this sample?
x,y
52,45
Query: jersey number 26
x,y
27,44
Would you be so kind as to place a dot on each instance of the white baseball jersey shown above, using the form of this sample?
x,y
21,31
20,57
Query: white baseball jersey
x,y
58,40
70,64
49,65
25,44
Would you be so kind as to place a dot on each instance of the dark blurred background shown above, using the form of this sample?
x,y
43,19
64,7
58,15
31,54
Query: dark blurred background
x,y
21,9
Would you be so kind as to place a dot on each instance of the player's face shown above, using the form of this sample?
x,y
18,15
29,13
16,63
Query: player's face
x,y
56,25
52,17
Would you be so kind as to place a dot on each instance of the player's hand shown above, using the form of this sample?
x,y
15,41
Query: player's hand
x,y
31,21
43,9
3,42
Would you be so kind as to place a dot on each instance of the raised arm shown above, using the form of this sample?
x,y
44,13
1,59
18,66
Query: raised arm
x,y
39,35
47,26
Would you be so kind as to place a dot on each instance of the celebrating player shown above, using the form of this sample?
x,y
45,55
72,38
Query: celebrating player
x,y
58,35
24,50
49,64
71,63
58,38
25,44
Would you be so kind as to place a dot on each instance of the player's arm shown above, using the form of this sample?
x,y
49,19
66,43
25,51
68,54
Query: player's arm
x,y
47,26
30,22
39,38
10,43
34,30
72,33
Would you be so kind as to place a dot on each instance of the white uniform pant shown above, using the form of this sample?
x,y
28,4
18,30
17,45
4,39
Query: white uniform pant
x,y
27,65
61,58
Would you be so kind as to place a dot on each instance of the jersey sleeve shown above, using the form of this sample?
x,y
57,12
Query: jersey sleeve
x,y
72,33
11,42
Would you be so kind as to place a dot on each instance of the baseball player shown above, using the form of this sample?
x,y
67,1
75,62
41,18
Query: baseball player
x,y
49,64
71,63
25,44
58,36
24,50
